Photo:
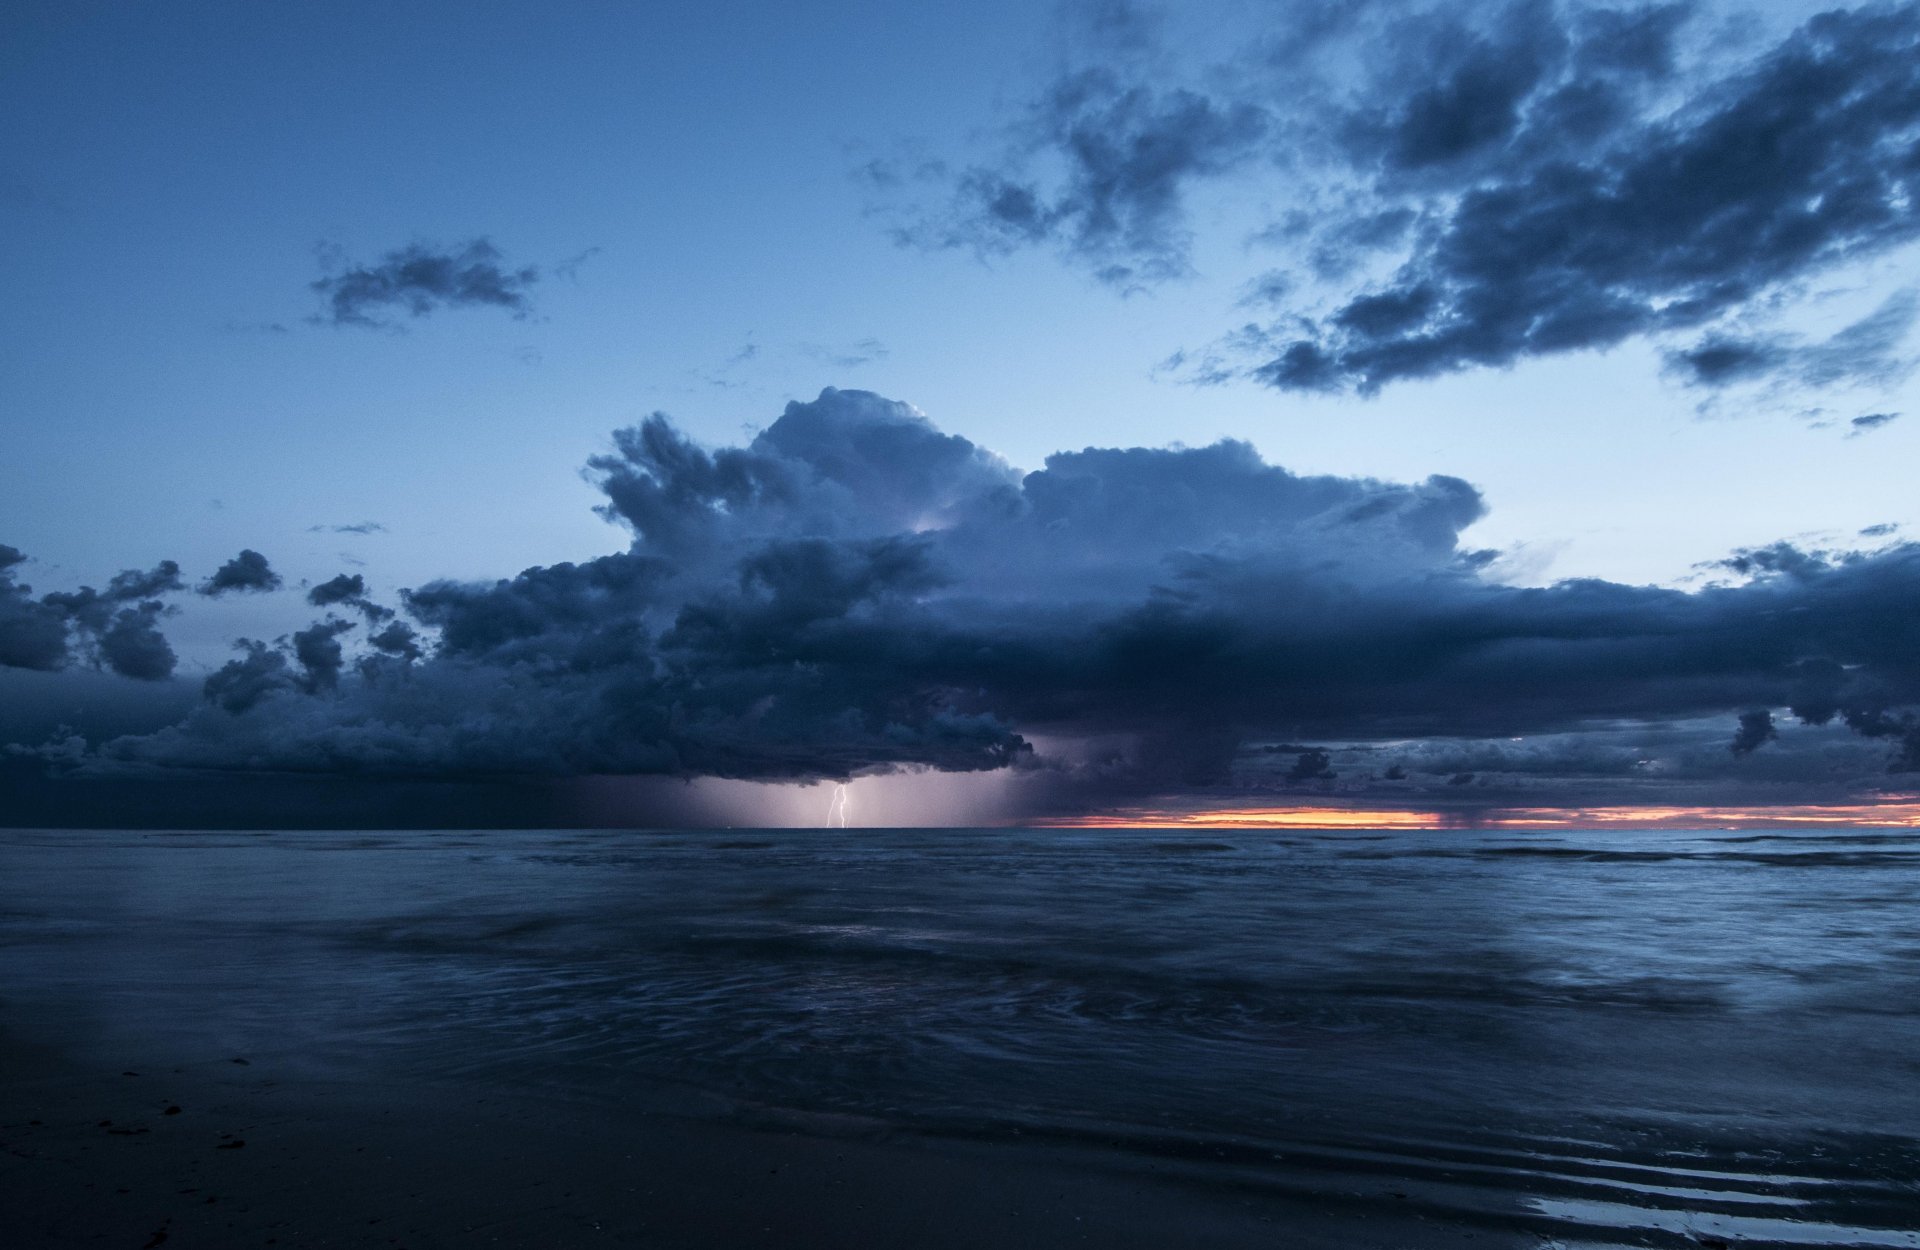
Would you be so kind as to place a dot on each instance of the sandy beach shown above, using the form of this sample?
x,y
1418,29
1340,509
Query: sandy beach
x,y
231,1154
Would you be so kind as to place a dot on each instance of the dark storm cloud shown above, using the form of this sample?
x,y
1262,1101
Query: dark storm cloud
x,y
241,683
397,639
1605,763
855,590
1902,727
32,634
1468,97
415,280
1312,765
1755,731
320,654
133,646
342,588
248,571
117,627
1650,220
1476,186
349,590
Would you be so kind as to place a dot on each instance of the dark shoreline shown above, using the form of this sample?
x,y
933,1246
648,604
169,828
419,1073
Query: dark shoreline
x,y
90,1156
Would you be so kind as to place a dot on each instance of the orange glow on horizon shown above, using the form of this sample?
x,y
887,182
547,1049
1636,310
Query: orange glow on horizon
x,y
1257,818
1900,811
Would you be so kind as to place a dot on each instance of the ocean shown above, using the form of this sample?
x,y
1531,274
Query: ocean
x,y
1570,1038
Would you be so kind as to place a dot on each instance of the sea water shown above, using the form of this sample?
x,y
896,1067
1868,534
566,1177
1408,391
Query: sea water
x,y
1617,1035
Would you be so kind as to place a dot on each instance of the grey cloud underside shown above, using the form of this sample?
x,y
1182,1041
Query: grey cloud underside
x,y
855,590
1497,184
415,280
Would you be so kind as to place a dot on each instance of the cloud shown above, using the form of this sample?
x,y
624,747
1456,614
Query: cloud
x,y
350,590
1312,765
1129,152
1756,730
242,683
359,527
320,654
1872,421
1868,352
1463,187
338,589
1903,728
863,352
117,627
856,591
32,634
248,571
417,279
397,639
570,267
1660,219
133,646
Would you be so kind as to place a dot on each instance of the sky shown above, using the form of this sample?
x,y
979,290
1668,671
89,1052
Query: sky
x,y
749,413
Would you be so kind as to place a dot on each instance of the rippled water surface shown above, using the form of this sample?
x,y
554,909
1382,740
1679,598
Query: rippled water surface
x,y
1629,1038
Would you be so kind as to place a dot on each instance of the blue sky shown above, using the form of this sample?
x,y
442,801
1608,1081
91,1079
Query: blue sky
x,y
732,206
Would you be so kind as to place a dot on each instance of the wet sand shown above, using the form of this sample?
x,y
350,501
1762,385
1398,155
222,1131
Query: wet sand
x,y
231,1154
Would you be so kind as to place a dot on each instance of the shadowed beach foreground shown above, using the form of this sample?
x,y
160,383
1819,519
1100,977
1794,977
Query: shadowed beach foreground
x,y
331,1164
960,1038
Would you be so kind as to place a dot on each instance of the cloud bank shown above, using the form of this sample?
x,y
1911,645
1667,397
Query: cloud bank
x,y
856,591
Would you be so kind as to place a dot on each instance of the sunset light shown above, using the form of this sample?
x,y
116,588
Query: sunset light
x,y
1902,811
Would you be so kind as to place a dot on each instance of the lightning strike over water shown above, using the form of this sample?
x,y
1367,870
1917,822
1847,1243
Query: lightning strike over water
x,y
837,809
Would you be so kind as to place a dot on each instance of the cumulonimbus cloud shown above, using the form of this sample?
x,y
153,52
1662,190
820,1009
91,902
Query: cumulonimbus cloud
x,y
855,590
